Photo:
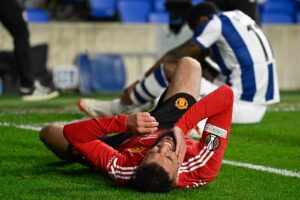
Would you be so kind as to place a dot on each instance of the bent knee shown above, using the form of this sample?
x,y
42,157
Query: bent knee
x,y
189,63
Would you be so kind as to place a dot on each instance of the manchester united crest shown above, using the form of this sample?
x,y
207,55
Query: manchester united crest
x,y
181,103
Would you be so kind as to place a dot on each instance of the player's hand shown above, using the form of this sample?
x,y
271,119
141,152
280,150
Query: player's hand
x,y
141,123
180,144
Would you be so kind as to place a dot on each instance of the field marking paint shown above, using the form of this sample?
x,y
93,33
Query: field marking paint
x,y
285,109
272,170
31,127
282,172
291,108
21,126
40,112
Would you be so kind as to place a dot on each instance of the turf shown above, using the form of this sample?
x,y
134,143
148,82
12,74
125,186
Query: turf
x,y
29,171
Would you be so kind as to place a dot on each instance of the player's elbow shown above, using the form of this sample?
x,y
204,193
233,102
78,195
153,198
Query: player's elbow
x,y
45,132
228,93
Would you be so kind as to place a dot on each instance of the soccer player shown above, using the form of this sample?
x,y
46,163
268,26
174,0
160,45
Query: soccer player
x,y
239,47
153,150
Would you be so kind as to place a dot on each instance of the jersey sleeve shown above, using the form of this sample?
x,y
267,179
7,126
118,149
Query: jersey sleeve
x,y
208,153
88,130
209,32
84,137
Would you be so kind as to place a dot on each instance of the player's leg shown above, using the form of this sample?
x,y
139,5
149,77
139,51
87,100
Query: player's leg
x,y
139,94
52,136
181,94
187,78
12,19
247,112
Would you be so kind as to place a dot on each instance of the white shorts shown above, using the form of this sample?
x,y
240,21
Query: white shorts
x,y
244,112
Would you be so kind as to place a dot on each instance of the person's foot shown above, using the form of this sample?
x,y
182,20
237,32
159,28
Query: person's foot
x,y
95,108
98,108
38,93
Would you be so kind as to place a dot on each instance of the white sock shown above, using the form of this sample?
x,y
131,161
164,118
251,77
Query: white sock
x,y
118,108
150,87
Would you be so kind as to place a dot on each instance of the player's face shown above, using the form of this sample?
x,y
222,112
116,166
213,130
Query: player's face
x,y
163,153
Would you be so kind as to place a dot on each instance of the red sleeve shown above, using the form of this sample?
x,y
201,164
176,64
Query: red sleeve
x,y
88,130
205,165
209,106
84,137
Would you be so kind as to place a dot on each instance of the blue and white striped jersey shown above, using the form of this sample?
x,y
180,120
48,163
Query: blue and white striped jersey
x,y
243,54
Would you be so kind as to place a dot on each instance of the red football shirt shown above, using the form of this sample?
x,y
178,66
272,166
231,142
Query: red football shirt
x,y
202,160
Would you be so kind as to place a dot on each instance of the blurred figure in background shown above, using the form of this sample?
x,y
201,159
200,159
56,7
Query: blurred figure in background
x,y
249,7
244,56
12,19
178,9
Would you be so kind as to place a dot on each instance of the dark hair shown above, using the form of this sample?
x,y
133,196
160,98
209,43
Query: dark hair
x,y
153,178
200,10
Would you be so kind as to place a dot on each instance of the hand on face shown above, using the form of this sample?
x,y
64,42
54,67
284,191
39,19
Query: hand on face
x,y
180,144
141,123
163,154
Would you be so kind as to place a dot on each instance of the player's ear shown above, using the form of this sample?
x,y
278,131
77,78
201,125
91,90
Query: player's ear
x,y
202,19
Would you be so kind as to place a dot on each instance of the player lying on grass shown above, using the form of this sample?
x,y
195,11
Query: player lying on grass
x,y
153,150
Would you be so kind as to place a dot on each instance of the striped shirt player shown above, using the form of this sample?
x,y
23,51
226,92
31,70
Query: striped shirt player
x,y
202,160
245,58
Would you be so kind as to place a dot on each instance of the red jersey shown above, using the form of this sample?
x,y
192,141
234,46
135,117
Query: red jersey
x,y
202,160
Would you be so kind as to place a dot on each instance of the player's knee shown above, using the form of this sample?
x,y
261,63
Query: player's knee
x,y
190,64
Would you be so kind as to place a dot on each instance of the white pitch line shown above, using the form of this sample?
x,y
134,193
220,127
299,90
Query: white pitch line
x,y
282,172
272,170
31,127
21,126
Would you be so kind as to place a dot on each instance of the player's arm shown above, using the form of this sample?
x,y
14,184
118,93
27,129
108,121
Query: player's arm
x,y
171,58
84,138
209,106
93,129
208,71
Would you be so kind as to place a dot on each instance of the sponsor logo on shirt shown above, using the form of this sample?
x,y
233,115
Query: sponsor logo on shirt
x,y
215,130
181,103
136,149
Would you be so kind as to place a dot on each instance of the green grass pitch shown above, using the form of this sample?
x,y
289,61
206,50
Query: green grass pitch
x,y
29,171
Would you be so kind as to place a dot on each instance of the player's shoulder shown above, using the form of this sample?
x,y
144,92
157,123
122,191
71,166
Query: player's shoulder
x,y
236,16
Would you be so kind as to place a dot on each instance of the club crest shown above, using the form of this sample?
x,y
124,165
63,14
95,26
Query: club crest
x,y
181,103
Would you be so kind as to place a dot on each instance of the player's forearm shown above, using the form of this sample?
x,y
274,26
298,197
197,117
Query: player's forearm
x,y
208,71
171,58
211,105
93,129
